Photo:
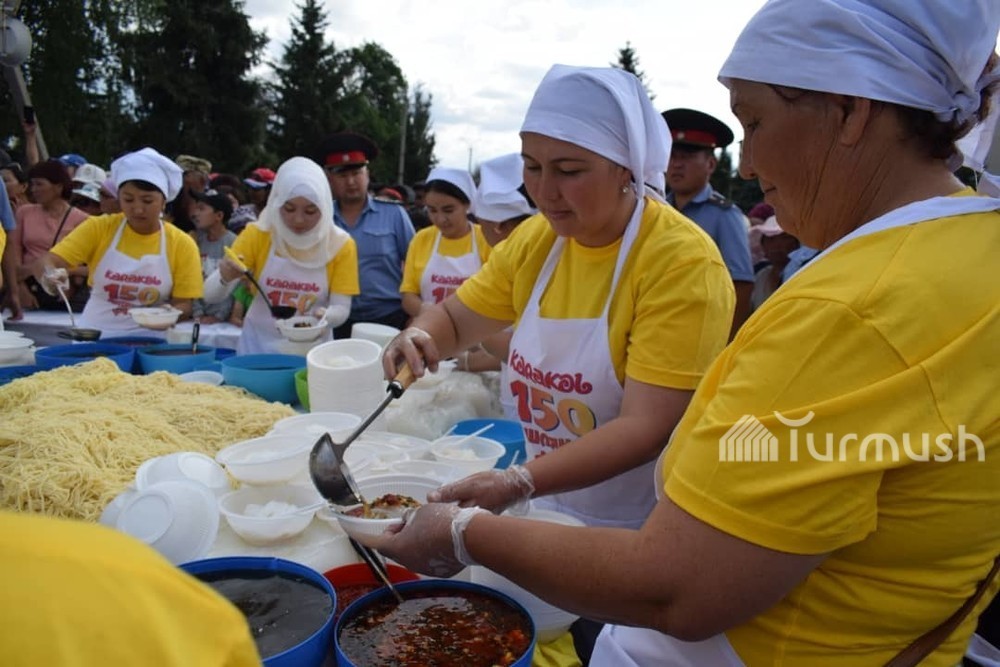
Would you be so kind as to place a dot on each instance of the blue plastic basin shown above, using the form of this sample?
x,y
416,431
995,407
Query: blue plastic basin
x,y
508,433
270,376
176,358
10,373
78,353
135,342
313,651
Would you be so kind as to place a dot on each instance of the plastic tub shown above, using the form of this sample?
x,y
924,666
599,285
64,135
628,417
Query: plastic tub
x,y
174,357
312,651
272,459
468,454
246,512
11,373
78,353
445,586
224,353
505,431
346,577
270,376
135,342
179,518
302,387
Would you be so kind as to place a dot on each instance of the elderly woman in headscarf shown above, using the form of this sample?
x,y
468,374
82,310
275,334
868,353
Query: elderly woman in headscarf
x,y
135,258
830,496
295,251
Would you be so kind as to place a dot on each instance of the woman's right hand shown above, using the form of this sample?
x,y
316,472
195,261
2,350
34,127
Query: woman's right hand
x,y
229,270
493,490
413,346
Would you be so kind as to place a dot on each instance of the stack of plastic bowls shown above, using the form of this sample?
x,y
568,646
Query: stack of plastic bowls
x,y
177,517
346,376
193,466
380,334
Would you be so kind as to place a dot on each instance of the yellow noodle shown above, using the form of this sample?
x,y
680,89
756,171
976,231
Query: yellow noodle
x,y
72,438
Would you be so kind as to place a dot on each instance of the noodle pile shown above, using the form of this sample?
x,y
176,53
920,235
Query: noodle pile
x,y
72,438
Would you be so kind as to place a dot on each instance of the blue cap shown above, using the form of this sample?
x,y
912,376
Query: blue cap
x,y
73,160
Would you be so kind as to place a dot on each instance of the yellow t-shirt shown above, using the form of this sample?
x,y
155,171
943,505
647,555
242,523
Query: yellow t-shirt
x,y
254,244
3,240
81,594
893,333
87,244
670,315
422,245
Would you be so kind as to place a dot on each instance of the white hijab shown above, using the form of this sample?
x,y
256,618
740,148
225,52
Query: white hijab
x,y
498,197
605,110
301,177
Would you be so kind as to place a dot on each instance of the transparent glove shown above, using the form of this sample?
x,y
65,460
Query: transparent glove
x,y
431,542
414,346
53,280
495,490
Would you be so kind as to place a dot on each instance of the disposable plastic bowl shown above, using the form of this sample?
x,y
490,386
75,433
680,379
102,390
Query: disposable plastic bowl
x,y
174,357
301,329
445,586
345,354
78,353
109,516
380,334
302,387
270,376
11,373
359,574
272,459
203,377
312,651
260,530
193,466
415,448
178,517
338,424
155,317
505,431
469,454
372,488
438,470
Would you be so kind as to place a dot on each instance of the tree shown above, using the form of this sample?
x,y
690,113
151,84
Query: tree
x,y
629,61
190,72
419,139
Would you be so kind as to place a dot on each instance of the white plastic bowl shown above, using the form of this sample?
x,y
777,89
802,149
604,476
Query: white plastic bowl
x,y
314,424
415,448
301,328
155,317
439,470
204,377
12,349
179,518
469,454
273,459
109,517
194,466
249,514
371,488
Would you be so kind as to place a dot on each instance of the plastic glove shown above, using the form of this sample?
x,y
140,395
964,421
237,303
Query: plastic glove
x,y
414,346
336,313
54,279
431,542
495,490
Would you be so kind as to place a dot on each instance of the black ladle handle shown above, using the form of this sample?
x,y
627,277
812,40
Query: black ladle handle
x,y
195,330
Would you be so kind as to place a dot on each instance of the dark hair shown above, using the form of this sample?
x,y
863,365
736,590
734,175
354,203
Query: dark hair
x,y
229,184
15,169
239,193
145,186
54,172
446,188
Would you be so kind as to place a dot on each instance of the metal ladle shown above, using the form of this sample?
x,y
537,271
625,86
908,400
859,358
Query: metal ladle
x,y
277,312
75,333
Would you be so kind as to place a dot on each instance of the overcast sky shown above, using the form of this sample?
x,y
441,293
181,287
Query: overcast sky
x,y
482,59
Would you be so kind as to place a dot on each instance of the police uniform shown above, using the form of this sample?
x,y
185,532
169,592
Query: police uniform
x,y
382,233
711,211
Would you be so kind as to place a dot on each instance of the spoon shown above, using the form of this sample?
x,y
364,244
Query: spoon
x,y
75,333
195,330
474,434
277,312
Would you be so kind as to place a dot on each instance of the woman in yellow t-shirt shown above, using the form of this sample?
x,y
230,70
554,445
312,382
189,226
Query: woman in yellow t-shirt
x,y
297,254
830,495
135,258
441,257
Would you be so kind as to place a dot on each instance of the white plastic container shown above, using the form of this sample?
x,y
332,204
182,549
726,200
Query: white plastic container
x,y
179,518
345,376
471,455
314,424
194,466
372,488
301,329
274,459
254,512
155,317
437,470
204,377
380,334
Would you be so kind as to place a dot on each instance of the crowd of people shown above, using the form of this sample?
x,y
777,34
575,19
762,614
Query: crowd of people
x,y
642,323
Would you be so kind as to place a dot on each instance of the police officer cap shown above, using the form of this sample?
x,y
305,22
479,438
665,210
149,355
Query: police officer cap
x,y
345,150
694,128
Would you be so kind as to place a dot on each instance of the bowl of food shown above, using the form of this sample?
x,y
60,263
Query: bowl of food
x,y
301,328
158,318
270,376
471,454
274,459
457,622
387,499
270,514
289,607
356,580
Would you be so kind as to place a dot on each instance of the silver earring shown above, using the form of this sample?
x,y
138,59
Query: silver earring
x,y
624,189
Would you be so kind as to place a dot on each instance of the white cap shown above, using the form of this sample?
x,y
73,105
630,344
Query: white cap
x,y
89,173
148,165
460,178
498,197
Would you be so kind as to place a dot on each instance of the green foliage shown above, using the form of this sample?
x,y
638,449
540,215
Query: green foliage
x,y
628,60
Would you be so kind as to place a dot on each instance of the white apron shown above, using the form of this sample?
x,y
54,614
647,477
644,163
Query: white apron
x,y
563,380
122,282
642,647
287,284
443,275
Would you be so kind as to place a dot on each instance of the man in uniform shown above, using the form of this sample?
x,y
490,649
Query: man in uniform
x,y
696,135
381,230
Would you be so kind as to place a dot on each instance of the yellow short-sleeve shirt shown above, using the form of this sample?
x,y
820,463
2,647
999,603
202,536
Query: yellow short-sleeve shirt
x,y
888,342
669,317
422,246
254,245
87,244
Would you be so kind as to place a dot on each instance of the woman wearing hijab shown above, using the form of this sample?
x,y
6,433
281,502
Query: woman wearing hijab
x,y
829,498
136,258
620,304
441,257
294,248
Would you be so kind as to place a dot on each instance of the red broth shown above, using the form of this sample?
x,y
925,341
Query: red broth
x,y
436,629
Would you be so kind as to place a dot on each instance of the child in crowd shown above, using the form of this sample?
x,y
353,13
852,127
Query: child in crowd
x,y
211,214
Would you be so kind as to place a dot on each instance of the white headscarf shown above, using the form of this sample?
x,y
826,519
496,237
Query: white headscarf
x,y
301,177
926,55
498,197
460,178
148,165
605,110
